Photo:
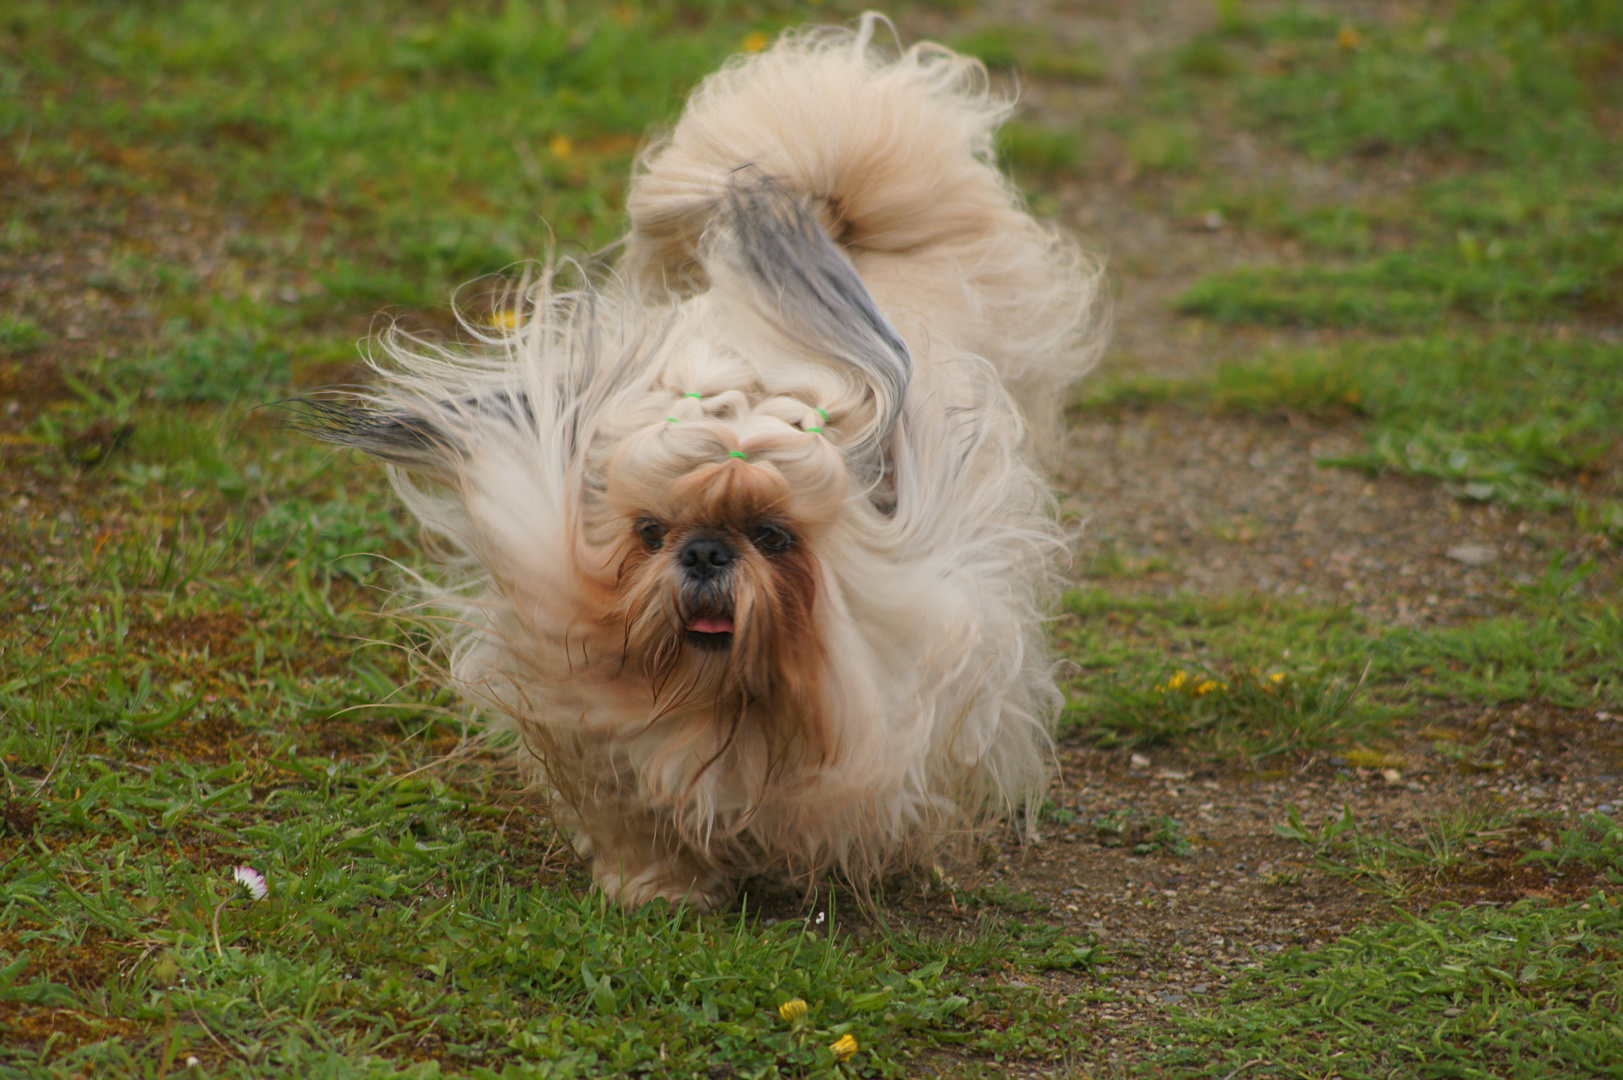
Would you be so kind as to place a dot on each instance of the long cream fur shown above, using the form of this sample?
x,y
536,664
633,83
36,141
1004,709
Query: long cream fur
x,y
889,683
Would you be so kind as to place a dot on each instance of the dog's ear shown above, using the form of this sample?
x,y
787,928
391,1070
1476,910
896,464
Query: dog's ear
x,y
430,437
807,286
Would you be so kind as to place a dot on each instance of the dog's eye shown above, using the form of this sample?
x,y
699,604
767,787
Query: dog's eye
x,y
651,532
772,538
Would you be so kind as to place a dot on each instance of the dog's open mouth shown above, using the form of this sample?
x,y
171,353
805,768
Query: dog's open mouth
x,y
710,632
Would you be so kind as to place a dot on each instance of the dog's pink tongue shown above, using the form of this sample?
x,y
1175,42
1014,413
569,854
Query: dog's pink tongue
x,y
712,625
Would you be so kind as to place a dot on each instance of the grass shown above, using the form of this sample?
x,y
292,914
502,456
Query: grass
x,y
1252,679
1513,224
1521,418
1024,48
1523,992
1464,990
394,930
1524,417
1471,843
193,676
1141,835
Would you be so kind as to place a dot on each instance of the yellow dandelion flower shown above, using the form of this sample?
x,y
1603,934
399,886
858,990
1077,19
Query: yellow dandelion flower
x,y
1349,38
1177,681
1208,686
1277,677
792,1009
756,41
844,1047
562,146
506,320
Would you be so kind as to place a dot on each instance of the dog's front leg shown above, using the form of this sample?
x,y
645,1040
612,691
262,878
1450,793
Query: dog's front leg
x,y
637,860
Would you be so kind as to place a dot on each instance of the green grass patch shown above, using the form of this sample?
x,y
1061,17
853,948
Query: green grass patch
x,y
1595,842
1524,417
1032,49
1508,219
1503,80
1528,991
1163,146
1472,256
392,910
20,335
1474,842
1141,834
1202,673
1251,679
1038,149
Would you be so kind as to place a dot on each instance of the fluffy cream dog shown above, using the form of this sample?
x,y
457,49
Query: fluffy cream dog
x,y
747,540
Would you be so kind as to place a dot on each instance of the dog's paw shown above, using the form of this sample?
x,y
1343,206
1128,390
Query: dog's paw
x,y
678,881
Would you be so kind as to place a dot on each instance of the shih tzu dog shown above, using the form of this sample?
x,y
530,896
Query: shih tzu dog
x,y
747,538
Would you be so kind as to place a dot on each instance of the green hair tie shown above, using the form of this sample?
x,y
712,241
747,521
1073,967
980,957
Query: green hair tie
x,y
816,429
699,396
673,420
823,413
739,453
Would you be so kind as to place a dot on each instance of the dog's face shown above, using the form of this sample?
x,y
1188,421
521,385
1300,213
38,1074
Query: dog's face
x,y
661,523
722,510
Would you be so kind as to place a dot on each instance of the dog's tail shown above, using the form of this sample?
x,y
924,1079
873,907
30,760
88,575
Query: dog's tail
x,y
895,156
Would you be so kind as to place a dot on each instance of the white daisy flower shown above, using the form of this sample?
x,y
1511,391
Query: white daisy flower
x,y
252,880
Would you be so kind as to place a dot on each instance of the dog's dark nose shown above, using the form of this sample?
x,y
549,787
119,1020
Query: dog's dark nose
x,y
706,556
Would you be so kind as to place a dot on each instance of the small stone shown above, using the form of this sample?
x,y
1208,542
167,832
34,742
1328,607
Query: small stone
x,y
1473,554
1138,761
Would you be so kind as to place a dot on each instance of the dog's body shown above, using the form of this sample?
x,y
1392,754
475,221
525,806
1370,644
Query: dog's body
x,y
756,553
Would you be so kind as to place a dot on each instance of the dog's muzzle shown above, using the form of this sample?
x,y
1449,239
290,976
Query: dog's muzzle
x,y
707,563
706,557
